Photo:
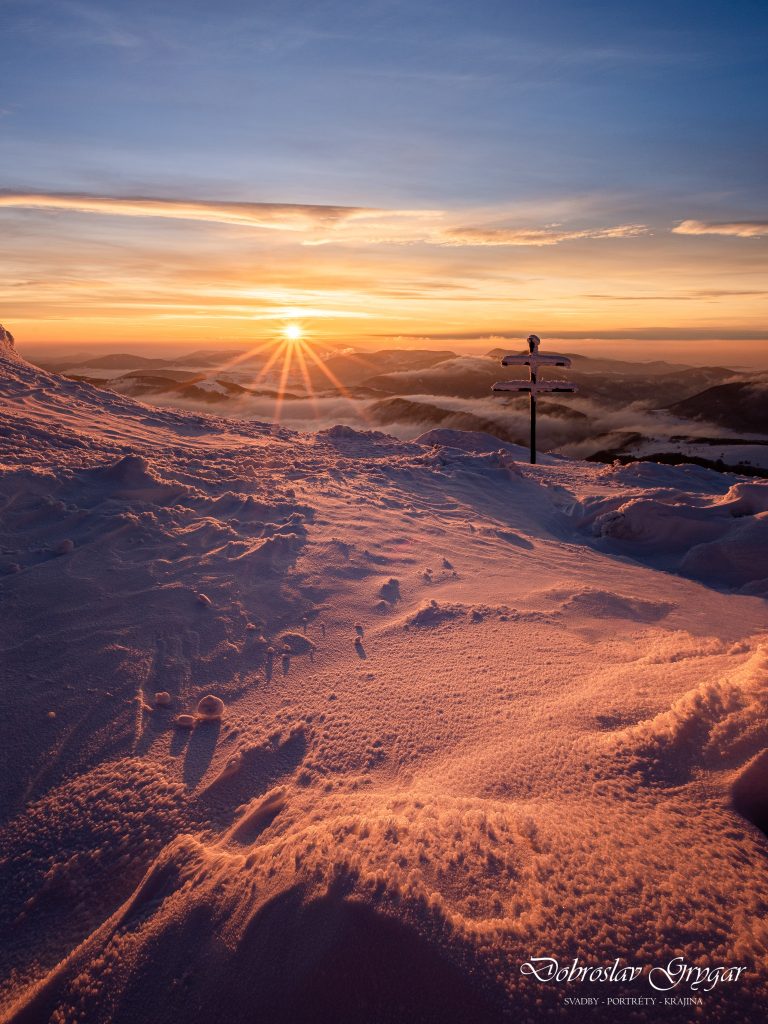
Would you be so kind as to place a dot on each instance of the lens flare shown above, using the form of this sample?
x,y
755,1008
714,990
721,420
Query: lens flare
x,y
290,359
292,332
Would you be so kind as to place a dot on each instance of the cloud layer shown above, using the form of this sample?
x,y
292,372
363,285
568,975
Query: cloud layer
x,y
535,236
324,224
736,228
82,267
279,216
319,225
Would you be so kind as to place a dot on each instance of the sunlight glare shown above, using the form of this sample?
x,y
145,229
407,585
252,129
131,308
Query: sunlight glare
x,y
292,332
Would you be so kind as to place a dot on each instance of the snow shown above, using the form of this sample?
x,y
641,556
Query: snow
x,y
476,441
719,538
730,453
472,711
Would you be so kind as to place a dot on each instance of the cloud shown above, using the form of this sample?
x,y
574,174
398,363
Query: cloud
x,y
735,228
535,236
489,236
693,296
727,332
318,225
274,216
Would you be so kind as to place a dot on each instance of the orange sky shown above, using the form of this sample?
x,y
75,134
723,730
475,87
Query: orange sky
x,y
119,272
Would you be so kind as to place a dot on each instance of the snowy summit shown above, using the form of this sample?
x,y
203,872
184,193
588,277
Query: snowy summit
x,y
335,726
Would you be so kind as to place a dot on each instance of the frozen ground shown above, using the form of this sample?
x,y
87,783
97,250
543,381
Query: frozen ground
x,y
475,712
734,455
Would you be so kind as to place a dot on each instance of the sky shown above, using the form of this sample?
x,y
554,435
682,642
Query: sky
x,y
386,173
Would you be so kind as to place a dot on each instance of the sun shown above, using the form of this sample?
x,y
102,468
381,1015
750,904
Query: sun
x,y
293,332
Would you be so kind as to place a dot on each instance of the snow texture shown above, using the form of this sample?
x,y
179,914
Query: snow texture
x,y
446,711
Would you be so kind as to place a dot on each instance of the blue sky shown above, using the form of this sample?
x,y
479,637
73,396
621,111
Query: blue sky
x,y
384,102
524,115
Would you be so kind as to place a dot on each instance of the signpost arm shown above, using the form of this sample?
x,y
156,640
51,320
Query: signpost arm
x,y
532,385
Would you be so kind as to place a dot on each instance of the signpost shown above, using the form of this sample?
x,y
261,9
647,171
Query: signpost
x,y
534,387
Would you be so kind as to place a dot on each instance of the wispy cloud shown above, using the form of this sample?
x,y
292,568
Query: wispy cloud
x,y
535,236
317,225
278,216
727,332
692,296
98,25
736,228
74,23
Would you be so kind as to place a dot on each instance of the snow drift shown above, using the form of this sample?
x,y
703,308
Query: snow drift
x,y
457,712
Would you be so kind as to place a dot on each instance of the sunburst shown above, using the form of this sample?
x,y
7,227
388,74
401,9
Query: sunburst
x,y
290,348
293,332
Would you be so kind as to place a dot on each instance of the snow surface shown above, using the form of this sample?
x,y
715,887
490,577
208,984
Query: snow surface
x,y
474,712
731,454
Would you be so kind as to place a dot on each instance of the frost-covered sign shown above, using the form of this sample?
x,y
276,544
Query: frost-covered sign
x,y
534,387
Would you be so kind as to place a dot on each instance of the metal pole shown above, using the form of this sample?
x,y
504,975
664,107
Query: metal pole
x,y
531,385
532,346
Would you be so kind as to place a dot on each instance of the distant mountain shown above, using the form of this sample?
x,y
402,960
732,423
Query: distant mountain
x,y
400,410
193,389
610,382
203,377
121,359
659,390
461,376
114,361
137,384
167,373
405,411
354,368
210,357
593,364
741,406
130,361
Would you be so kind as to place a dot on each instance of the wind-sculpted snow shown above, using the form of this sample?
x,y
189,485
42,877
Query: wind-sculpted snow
x,y
719,723
446,712
715,531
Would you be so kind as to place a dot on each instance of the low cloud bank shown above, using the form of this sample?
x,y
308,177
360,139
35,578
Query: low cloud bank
x,y
579,428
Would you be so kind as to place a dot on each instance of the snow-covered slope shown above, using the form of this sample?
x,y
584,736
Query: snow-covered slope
x,y
475,712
